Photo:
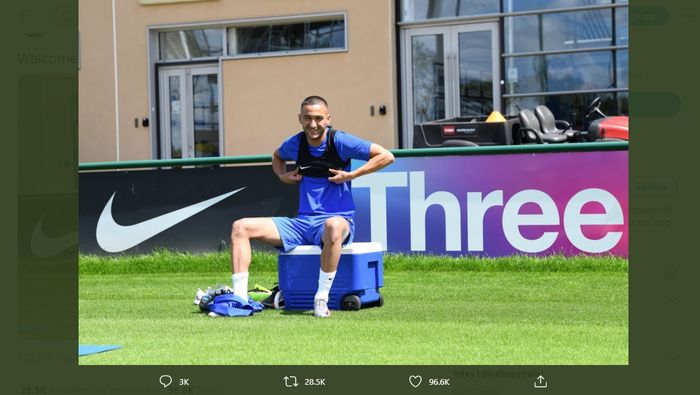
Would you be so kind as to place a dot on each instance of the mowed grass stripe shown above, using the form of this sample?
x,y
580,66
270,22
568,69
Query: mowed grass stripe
x,y
463,317
174,262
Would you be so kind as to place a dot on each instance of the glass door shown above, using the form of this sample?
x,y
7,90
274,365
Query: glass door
x,y
448,72
425,79
173,119
204,84
189,112
478,79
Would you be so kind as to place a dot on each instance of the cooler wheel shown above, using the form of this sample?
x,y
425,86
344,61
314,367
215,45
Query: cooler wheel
x,y
351,302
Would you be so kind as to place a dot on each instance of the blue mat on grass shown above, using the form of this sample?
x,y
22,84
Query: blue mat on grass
x,y
86,349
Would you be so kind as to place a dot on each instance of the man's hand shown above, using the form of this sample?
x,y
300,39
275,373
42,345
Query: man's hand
x,y
291,177
340,176
279,167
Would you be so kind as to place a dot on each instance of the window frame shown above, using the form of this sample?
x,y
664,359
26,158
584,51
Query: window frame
x,y
614,48
225,26
326,17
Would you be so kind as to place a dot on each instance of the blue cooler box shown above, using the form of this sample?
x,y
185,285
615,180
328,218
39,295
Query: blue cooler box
x,y
358,279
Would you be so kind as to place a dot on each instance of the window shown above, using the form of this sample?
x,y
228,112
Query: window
x,y
190,44
565,59
559,31
312,34
415,10
622,69
299,36
622,26
561,72
530,5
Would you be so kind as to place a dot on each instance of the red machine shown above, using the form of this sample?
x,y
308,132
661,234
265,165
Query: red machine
x,y
606,128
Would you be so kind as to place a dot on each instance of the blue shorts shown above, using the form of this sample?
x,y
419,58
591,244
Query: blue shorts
x,y
306,230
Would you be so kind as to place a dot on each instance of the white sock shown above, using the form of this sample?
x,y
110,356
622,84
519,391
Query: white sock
x,y
325,281
240,284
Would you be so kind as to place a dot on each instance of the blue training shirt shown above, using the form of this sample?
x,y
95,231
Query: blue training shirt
x,y
318,195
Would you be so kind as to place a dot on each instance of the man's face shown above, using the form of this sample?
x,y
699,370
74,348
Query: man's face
x,y
314,118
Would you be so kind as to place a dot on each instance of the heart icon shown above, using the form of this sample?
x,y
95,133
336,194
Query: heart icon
x,y
415,380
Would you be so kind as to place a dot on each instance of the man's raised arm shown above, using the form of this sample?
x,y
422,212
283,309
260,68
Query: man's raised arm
x,y
379,157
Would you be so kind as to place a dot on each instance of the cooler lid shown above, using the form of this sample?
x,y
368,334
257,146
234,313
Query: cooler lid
x,y
352,248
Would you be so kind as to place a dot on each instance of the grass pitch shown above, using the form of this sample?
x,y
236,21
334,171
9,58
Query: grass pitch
x,y
439,310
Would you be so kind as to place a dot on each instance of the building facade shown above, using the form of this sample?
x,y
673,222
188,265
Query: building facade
x,y
196,78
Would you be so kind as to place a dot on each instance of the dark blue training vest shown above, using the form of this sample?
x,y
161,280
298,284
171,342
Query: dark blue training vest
x,y
310,166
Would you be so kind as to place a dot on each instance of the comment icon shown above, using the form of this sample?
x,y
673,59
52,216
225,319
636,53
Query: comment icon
x,y
165,380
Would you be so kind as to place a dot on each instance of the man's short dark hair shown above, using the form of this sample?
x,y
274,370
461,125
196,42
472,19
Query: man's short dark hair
x,y
312,100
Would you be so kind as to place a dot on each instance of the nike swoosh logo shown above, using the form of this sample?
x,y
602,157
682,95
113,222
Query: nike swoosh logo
x,y
303,167
113,237
43,246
